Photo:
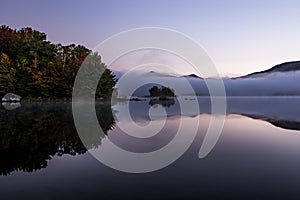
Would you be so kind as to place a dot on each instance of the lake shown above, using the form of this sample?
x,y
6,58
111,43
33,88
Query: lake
x,y
257,155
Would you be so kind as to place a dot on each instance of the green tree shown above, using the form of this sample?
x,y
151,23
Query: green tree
x,y
34,67
106,84
7,75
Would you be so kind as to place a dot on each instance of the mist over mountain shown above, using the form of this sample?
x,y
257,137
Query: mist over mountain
x,y
284,67
280,80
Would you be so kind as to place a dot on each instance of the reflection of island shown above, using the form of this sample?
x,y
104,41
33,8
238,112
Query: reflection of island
x,y
34,133
165,103
163,96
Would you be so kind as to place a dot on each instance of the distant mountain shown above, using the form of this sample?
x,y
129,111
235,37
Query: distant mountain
x,y
192,76
284,67
280,80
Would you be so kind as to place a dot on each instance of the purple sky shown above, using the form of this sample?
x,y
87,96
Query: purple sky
x,y
240,36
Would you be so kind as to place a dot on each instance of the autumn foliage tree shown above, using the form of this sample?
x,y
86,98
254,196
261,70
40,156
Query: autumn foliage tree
x,y
34,67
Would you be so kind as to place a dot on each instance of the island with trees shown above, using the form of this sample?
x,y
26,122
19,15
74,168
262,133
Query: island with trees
x,y
162,96
162,93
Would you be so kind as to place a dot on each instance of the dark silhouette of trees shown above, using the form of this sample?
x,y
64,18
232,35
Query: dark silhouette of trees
x,y
154,91
34,133
164,103
161,92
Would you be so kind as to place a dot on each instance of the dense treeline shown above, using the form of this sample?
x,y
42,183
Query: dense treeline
x,y
33,67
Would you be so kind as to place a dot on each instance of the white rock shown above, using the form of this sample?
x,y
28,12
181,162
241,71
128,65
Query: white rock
x,y
10,97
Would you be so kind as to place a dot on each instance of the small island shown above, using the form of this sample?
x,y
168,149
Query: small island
x,y
162,96
163,93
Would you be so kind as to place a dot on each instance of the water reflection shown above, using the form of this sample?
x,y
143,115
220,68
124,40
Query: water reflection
x,y
282,112
34,133
163,102
280,123
252,159
11,105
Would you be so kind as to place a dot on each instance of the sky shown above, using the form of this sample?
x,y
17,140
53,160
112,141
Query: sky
x,y
239,36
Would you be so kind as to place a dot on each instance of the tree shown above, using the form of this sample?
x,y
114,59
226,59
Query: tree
x,y
7,75
166,91
106,84
34,67
161,92
94,70
154,91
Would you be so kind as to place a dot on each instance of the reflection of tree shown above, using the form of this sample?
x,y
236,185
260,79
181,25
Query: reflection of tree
x,y
33,134
165,103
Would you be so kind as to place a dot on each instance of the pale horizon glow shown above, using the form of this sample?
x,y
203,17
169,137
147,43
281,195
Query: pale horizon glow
x,y
241,37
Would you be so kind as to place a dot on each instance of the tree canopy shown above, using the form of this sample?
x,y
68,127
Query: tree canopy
x,y
33,67
161,92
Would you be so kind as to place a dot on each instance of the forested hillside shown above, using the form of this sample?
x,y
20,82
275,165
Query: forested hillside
x,y
33,67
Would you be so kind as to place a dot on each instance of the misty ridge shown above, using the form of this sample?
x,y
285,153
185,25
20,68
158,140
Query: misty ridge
x,y
280,80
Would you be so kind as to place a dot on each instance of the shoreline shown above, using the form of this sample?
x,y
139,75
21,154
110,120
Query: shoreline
x,y
69,100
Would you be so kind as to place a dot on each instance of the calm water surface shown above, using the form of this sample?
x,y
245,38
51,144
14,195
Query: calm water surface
x,y
256,157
